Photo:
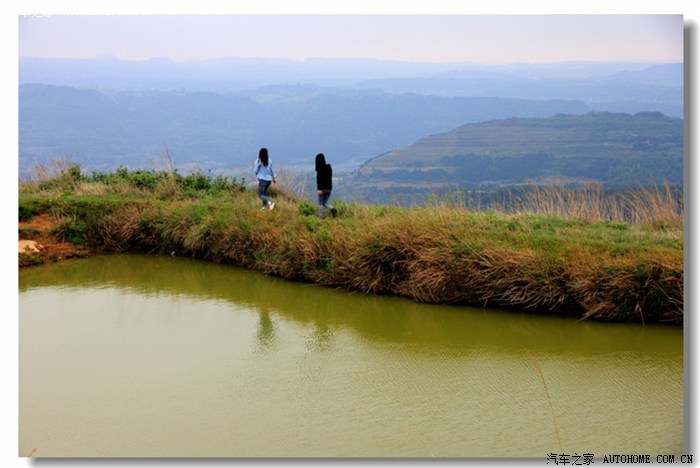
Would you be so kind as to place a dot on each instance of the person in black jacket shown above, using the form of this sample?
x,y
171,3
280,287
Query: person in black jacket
x,y
324,185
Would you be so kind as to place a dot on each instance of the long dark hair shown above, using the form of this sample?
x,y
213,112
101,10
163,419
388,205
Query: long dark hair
x,y
264,158
320,161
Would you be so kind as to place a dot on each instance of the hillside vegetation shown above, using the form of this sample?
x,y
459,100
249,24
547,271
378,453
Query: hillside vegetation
x,y
575,265
616,150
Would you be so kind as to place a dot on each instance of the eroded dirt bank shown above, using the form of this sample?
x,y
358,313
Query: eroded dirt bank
x,y
37,245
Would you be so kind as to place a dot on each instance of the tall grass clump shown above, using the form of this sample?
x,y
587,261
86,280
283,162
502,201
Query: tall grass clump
x,y
57,174
654,206
586,203
291,186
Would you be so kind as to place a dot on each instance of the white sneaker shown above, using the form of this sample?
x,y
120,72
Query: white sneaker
x,y
271,205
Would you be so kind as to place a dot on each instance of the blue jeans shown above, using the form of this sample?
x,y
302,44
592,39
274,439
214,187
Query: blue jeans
x,y
263,185
323,202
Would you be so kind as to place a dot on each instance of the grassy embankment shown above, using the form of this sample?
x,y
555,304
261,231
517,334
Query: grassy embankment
x,y
564,252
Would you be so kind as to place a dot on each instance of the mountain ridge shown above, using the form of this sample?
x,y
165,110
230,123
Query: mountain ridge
x,y
613,148
611,86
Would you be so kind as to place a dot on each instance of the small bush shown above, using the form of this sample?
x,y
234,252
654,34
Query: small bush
x,y
28,232
307,209
311,224
30,207
71,230
29,260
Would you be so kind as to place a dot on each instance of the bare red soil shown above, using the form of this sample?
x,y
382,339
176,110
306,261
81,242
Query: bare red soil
x,y
37,245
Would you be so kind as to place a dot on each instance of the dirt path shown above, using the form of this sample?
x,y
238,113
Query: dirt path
x,y
37,245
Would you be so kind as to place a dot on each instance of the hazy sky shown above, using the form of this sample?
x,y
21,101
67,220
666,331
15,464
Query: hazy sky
x,y
480,38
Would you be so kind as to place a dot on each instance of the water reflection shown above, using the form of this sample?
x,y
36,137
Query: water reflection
x,y
321,337
265,336
383,318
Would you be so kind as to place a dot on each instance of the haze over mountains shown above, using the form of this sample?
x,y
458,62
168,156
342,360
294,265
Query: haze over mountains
x,y
214,115
223,132
661,84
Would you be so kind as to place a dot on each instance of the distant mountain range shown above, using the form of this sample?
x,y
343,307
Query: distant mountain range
x,y
214,115
613,86
615,149
222,132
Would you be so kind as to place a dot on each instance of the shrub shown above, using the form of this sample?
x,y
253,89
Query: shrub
x,y
69,229
307,209
30,207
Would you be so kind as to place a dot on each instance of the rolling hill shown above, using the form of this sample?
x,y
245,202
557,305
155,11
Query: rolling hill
x,y
612,148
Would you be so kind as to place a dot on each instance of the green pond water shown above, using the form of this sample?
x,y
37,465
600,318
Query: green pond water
x,y
146,356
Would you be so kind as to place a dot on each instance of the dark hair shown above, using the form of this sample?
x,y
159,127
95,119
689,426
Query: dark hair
x,y
264,159
320,161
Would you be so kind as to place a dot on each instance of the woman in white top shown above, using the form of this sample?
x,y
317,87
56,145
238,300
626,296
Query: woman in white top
x,y
266,176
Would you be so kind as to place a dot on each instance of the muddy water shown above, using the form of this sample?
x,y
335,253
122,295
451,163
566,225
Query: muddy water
x,y
145,356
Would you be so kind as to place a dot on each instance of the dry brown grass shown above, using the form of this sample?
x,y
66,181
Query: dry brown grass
x,y
656,207
52,176
649,205
55,168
